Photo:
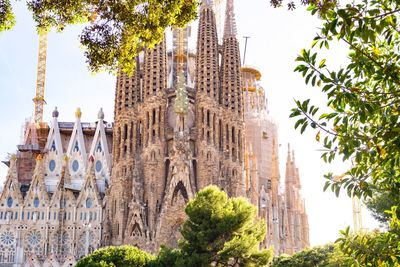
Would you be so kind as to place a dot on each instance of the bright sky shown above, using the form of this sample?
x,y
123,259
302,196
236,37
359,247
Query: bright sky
x,y
277,36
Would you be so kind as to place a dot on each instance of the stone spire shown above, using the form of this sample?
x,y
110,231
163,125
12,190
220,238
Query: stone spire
x,y
231,96
155,70
207,76
127,90
230,22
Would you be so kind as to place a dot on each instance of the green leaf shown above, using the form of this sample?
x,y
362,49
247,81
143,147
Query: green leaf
x,y
322,63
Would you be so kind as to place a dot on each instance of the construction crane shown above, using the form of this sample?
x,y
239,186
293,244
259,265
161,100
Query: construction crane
x,y
35,130
40,80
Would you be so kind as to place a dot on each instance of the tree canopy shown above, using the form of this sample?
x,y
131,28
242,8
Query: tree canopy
x,y
220,231
380,203
329,256
363,97
123,256
115,31
373,248
362,123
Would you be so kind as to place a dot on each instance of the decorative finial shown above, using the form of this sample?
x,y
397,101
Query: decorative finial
x,y
55,113
288,153
39,157
91,158
78,113
100,115
13,157
65,158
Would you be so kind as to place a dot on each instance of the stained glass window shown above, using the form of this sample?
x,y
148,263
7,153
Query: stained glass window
x,y
33,244
36,202
76,148
9,202
52,165
61,244
7,247
75,165
89,203
99,149
53,146
86,240
99,166
7,238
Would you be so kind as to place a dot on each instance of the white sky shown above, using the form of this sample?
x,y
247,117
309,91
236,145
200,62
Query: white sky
x,y
277,36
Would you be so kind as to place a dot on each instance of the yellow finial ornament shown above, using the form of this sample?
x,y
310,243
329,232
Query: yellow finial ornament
x,y
78,113
39,157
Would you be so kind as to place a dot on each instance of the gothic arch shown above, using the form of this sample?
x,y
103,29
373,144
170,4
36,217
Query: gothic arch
x,y
136,231
179,189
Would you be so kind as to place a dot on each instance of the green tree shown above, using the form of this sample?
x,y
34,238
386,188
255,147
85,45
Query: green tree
x,y
222,231
373,248
124,256
382,202
362,121
7,19
328,256
115,31
362,124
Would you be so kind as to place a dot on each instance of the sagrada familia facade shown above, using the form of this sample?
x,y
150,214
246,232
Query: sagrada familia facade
x,y
183,121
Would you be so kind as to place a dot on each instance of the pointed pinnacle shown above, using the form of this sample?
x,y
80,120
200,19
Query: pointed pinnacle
x,y
230,21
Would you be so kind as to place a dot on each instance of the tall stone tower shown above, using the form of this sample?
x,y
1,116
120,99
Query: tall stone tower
x,y
169,142
231,100
297,219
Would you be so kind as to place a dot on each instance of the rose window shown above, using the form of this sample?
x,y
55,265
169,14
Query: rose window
x,y
7,247
61,244
33,246
7,238
86,240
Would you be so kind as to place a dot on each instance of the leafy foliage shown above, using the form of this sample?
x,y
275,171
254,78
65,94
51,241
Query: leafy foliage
x,y
322,5
223,231
7,19
381,203
363,122
117,30
328,256
124,256
374,248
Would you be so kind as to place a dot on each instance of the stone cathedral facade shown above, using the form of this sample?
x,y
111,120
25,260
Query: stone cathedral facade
x,y
183,121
